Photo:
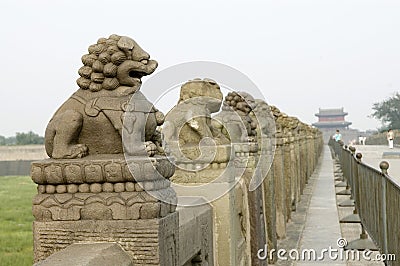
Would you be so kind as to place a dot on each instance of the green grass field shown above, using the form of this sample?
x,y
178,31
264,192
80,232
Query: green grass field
x,y
16,244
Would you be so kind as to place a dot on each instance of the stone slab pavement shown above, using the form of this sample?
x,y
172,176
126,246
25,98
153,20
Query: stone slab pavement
x,y
315,224
322,228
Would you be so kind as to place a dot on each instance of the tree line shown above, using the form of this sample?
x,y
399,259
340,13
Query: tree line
x,y
388,112
22,138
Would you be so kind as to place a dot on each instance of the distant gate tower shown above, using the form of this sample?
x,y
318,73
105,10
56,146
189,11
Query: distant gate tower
x,y
332,119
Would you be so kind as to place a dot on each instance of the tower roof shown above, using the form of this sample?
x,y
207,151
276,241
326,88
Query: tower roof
x,y
334,124
331,112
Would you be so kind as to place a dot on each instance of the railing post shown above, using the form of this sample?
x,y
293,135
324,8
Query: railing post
x,y
288,175
352,174
344,162
347,164
384,165
363,243
340,149
280,191
356,194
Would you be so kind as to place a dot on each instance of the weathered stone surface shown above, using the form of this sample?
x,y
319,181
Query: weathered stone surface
x,y
189,122
232,227
109,79
93,254
258,232
240,217
105,197
195,232
262,114
107,179
235,121
280,196
112,168
270,211
98,206
147,241
288,178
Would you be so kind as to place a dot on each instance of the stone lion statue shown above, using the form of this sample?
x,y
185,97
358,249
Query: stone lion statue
x,y
189,122
91,121
234,121
264,118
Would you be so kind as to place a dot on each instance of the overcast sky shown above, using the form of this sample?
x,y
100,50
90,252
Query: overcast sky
x,y
303,55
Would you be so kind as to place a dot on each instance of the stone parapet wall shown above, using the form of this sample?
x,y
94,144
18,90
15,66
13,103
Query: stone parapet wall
x,y
139,238
189,188
276,152
196,232
348,135
16,160
15,168
89,254
245,221
380,138
298,148
24,152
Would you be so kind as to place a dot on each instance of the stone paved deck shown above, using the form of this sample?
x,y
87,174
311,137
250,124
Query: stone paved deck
x,y
315,224
322,228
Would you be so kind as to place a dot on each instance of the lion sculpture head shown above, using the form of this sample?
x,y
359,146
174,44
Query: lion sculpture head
x,y
114,62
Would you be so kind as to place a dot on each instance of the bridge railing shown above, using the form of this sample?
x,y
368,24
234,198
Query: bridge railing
x,y
376,196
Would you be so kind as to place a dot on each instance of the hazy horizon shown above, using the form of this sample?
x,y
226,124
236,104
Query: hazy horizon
x,y
303,55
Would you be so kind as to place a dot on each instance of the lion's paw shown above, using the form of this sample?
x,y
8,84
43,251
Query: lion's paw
x,y
151,148
71,152
79,150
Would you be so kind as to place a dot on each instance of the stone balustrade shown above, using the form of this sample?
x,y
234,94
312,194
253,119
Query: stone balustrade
x,y
381,139
282,153
224,188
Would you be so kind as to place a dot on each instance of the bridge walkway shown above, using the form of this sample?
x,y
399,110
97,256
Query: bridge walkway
x,y
321,228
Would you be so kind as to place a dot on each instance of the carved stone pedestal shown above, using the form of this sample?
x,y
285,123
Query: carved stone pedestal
x,y
239,230
139,238
97,199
